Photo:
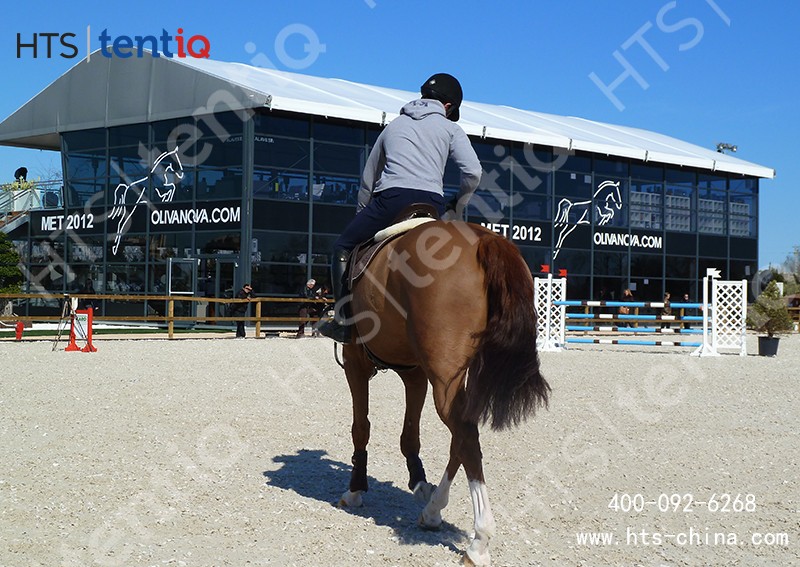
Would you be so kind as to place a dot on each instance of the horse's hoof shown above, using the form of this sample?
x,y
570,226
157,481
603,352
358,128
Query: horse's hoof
x,y
351,500
423,492
472,559
430,522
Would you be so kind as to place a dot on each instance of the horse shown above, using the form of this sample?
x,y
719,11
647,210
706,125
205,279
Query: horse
x,y
450,305
171,172
607,200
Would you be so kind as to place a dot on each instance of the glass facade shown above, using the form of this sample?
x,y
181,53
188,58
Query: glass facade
x,y
261,198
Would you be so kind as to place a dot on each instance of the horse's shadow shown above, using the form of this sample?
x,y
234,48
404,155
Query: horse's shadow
x,y
311,474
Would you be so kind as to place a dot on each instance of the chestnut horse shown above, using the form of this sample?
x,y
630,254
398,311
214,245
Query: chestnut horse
x,y
448,304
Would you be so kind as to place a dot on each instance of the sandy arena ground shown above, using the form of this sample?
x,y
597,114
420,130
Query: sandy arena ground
x,y
224,452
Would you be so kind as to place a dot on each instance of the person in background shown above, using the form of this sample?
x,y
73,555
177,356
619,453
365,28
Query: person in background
x,y
627,296
87,289
666,310
240,308
307,309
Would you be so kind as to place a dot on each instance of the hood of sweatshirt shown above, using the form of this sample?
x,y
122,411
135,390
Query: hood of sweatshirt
x,y
422,108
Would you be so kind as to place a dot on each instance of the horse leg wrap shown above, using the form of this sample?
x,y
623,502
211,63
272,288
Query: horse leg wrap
x,y
358,480
416,472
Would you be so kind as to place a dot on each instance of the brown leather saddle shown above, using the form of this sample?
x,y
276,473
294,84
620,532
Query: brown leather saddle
x,y
366,251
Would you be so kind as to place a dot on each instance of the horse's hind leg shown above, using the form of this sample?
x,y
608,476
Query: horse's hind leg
x,y
358,370
416,387
465,448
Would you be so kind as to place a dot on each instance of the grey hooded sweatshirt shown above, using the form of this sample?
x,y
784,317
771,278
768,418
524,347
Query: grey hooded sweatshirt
x,y
412,152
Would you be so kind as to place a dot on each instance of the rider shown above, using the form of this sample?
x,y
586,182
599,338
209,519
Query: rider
x,y
406,166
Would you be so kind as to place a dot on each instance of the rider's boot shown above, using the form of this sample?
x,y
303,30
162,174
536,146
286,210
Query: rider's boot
x,y
336,326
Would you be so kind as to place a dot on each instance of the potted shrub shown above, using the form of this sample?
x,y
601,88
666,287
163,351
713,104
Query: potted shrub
x,y
769,315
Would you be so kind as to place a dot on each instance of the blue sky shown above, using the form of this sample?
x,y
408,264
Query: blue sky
x,y
715,70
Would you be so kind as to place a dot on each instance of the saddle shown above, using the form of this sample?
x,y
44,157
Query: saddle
x,y
412,216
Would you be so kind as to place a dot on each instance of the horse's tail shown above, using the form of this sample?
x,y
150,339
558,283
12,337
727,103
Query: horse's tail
x,y
503,381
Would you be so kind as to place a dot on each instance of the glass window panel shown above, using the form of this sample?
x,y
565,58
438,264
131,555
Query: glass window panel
x,y
571,184
279,279
128,163
575,261
218,183
338,132
678,214
132,248
489,206
372,134
614,168
743,269
335,189
218,242
579,287
709,181
170,130
214,152
743,185
610,263
282,246
276,125
220,125
608,289
129,135
123,279
171,245
85,140
322,247
286,215
646,201
530,206
720,264
335,158
283,185
574,161
47,278
711,211
46,251
87,165
679,288
535,256
537,158
644,265
79,193
647,172
282,153
86,249
491,152
681,177
681,267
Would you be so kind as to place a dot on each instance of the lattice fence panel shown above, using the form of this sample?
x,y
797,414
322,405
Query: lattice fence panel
x,y
729,314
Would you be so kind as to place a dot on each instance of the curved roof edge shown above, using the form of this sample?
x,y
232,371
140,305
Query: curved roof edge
x,y
143,89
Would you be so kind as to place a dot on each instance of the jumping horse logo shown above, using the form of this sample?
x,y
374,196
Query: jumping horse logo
x,y
171,173
607,201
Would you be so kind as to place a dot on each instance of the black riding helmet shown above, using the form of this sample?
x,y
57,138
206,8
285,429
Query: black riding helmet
x,y
444,88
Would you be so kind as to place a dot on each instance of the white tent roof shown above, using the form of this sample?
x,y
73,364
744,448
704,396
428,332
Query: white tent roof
x,y
112,91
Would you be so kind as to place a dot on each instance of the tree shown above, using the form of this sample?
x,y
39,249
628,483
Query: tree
x,y
11,277
769,313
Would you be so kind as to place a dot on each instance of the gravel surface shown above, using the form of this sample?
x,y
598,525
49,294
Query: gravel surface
x,y
226,452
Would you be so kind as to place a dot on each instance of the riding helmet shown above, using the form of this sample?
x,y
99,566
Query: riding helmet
x,y
444,88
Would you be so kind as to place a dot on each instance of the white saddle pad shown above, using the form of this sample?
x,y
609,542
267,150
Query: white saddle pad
x,y
400,227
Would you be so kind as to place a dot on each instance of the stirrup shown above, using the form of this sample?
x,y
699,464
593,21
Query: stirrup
x,y
333,329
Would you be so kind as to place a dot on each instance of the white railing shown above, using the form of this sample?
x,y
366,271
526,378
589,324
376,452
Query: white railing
x,y
37,195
